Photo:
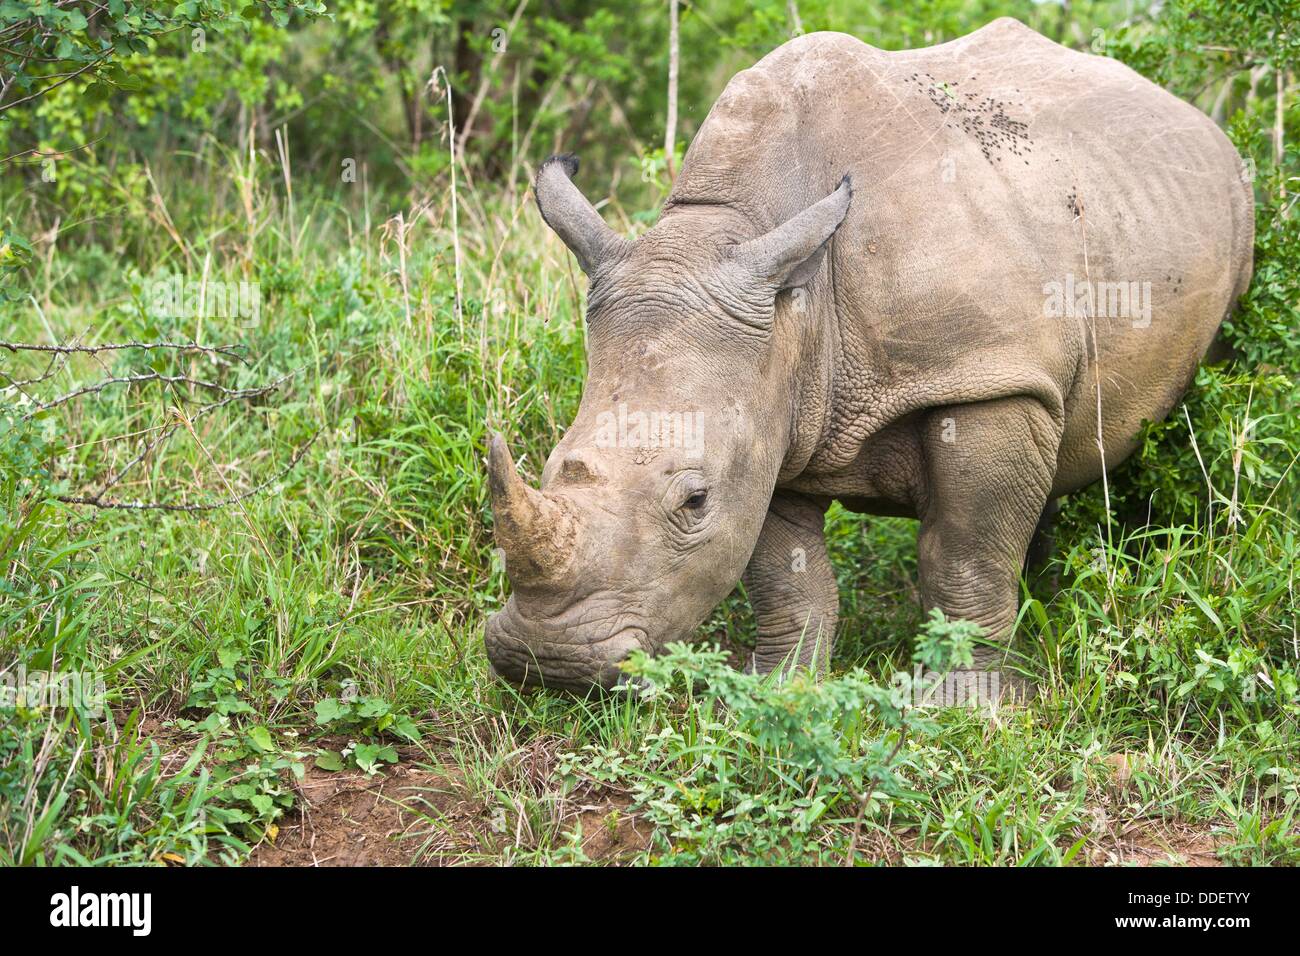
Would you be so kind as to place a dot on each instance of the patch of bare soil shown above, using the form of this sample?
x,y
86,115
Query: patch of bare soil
x,y
609,833
1155,843
420,816
346,818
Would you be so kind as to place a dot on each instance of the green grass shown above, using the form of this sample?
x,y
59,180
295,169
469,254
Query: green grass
x,y
368,570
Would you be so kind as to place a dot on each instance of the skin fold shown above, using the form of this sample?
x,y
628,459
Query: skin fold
x,y
948,283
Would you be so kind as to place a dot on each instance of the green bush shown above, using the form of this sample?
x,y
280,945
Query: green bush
x,y
753,769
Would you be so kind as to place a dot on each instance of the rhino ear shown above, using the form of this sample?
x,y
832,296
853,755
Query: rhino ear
x,y
573,219
790,254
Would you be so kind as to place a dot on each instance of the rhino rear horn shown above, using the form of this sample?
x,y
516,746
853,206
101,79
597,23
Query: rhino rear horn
x,y
790,254
571,216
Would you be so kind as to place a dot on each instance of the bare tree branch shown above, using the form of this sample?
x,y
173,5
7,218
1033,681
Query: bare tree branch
x,y
53,368
230,351
59,356
168,430
139,379
485,80
201,506
41,92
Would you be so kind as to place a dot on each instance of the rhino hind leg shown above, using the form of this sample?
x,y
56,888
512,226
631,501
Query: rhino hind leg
x,y
989,471
792,587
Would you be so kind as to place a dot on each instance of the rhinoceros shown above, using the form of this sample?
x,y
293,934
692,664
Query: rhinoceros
x,y
948,283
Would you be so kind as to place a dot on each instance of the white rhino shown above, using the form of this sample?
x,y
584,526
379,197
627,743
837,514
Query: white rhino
x,y
949,283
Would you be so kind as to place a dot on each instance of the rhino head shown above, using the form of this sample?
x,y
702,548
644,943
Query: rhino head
x,y
652,502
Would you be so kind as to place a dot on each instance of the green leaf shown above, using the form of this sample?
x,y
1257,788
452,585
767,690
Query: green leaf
x,y
330,760
372,707
260,738
403,726
369,756
331,709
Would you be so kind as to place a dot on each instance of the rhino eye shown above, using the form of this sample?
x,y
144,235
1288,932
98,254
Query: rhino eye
x,y
685,502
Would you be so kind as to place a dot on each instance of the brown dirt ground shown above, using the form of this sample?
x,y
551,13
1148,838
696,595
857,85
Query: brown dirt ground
x,y
420,816
349,819
608,833
1156,843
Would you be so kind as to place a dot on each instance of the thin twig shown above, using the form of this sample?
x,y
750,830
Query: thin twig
x,y
141,378
50,371
865,799
48,154
230,351
169,430
41,92
202,506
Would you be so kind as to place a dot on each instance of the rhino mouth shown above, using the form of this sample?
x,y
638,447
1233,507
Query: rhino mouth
x,y
571,653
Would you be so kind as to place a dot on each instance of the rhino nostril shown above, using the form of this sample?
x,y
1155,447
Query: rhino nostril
x,y
622,645
617,649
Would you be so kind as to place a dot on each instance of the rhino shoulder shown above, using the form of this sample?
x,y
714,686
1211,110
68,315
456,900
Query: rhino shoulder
x,y
809,55
1009,26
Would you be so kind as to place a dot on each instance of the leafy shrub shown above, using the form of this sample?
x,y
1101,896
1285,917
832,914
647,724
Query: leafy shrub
x,y
755,769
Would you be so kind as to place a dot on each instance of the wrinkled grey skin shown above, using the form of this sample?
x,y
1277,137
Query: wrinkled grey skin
x,y
850,282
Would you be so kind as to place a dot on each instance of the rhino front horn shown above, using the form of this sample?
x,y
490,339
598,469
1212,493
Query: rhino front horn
x,y
535,532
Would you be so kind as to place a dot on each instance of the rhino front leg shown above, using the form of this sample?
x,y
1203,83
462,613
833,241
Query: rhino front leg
x,y
989,470
792,587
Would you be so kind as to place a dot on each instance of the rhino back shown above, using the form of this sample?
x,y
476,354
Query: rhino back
x,y
987,171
